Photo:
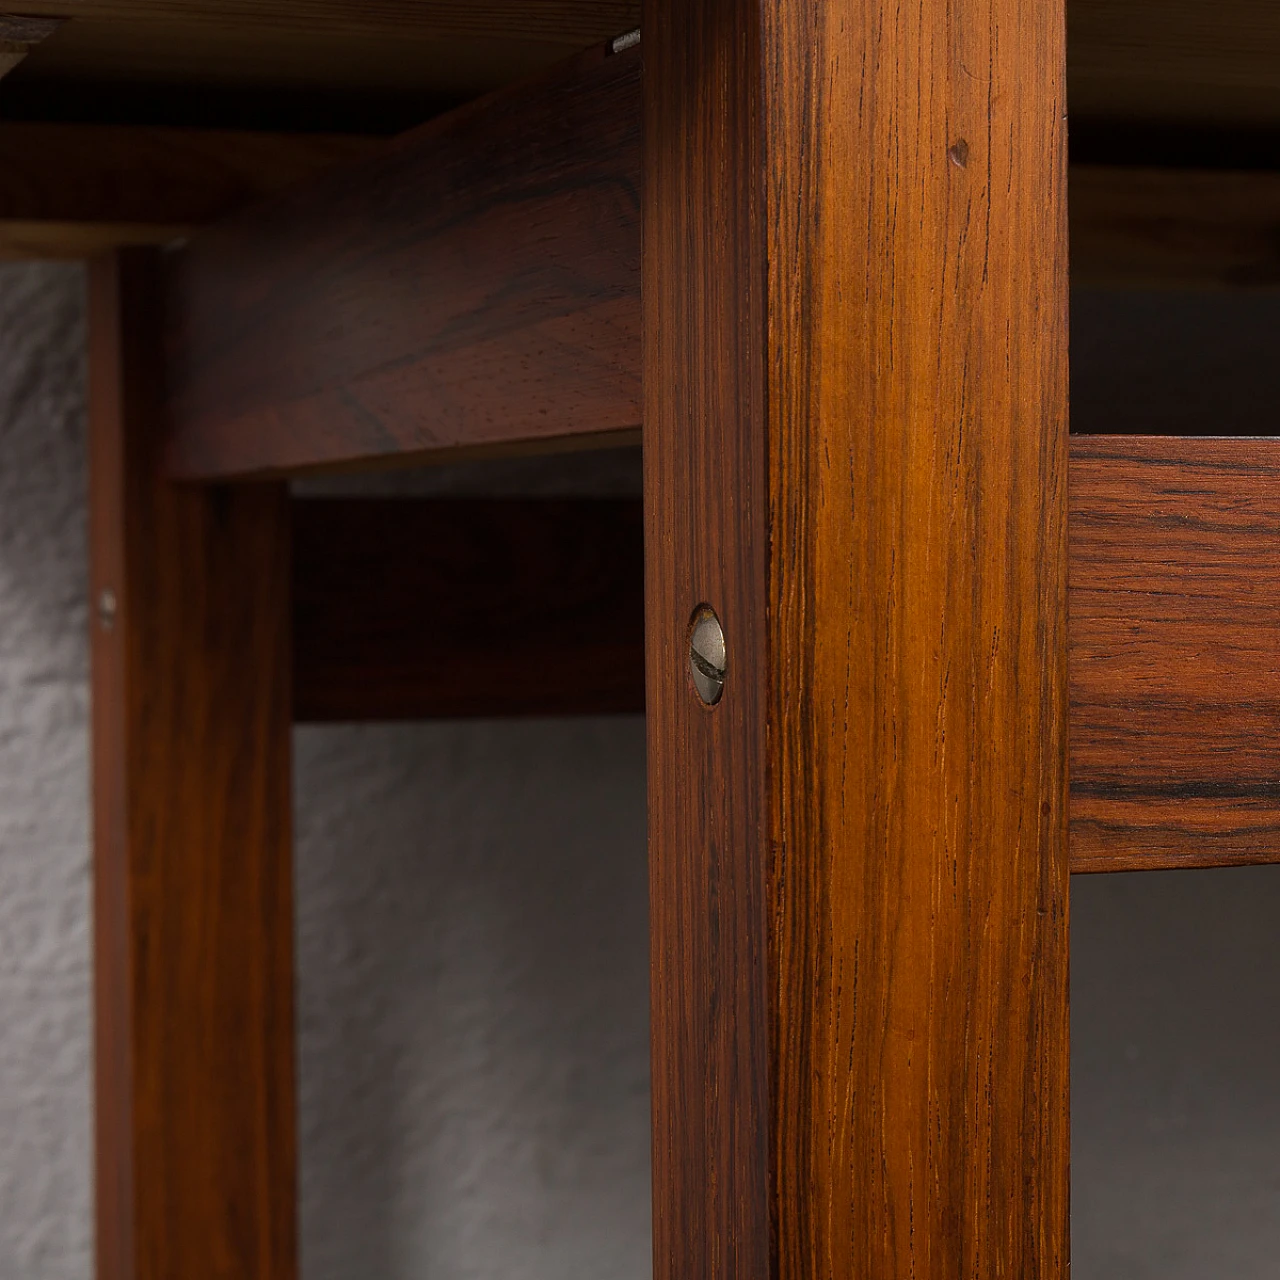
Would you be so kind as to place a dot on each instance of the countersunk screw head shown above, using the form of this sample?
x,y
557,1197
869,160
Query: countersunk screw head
x,y
707,664
107,608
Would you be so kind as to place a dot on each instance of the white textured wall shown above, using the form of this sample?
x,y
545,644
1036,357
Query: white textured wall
x,y
472,949
45,1226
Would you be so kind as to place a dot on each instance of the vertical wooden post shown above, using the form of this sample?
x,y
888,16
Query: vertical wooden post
x,y
192,851
855,325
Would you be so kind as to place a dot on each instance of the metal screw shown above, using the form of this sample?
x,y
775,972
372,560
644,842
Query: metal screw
x,y
707,663
107,608
626,41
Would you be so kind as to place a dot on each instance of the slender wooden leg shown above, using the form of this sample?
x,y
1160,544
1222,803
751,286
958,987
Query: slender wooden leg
x,y
855,451
191,757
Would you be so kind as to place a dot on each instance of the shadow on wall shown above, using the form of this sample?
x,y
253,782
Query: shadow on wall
x,y
473,947
45,1020
1175,987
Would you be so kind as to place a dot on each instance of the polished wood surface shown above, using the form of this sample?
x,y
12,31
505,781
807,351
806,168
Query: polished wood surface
x,y
427,608
412,609
855,316
473,286
74,191
1175,631
1176,61
1171,228
339,325
193,917
296,59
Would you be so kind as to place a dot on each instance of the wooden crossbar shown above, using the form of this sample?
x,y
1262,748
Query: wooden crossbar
x,y
475,287
410,609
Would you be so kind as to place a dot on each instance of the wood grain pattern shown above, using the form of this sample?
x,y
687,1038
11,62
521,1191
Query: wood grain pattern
x,y
1178,61
1175,632
411,609
472,286
192,846
1181,61
340,325
425,608
855,303
1174,228
74,191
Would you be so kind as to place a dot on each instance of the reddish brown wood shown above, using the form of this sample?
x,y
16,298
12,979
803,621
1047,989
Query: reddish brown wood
x,y
418,609
415,609
1175,632
1182,228
855,326
473,287
73,191
192,857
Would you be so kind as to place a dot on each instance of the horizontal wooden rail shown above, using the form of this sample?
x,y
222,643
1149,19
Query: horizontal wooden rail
x,y
407,609
73,191
1174,652
415,609
1174,228
475,286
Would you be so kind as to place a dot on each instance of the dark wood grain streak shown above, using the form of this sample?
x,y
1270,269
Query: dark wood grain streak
x,y
412,609
192,835
473,286
1175,652
855,326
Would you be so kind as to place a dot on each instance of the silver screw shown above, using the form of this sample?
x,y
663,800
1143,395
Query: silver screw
x,y
626,41
707,663
107,608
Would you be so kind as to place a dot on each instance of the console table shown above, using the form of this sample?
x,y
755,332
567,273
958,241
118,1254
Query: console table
x,y
909,656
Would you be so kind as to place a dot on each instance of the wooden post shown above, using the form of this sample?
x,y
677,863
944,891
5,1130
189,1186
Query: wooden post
x,y
192,852
855,327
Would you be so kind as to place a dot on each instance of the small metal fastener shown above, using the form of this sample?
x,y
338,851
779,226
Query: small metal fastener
x,y
628,40
107,608
707,663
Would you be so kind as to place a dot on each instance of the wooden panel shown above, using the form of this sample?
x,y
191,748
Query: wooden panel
x,y
565,22
473,286
408,609
71,191
1175,632
192,858
150,58
341,325
1173,60
1180,61
1174,228
855,320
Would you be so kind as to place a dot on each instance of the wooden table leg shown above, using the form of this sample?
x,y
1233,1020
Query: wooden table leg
x,y
192,844
855,326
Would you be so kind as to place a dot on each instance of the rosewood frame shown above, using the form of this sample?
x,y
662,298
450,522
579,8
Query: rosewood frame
x,y
849,359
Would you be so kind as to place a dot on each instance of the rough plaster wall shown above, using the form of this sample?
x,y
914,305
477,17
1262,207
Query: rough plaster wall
x,y
1175,992
474,945
473,958
44,856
